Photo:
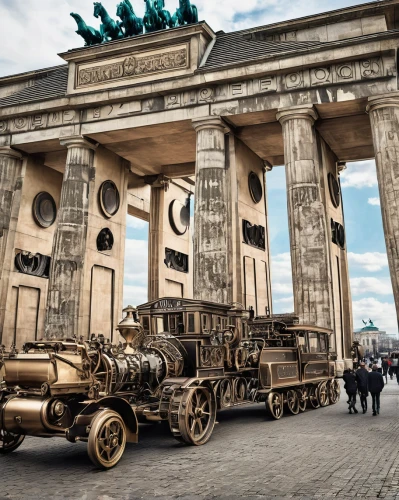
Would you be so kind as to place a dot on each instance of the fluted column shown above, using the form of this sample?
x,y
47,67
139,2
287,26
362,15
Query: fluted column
x,y
307,218
384,117
10,196
212,215
156,251
69,246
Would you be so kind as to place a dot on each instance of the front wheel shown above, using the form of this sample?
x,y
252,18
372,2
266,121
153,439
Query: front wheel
x,y
107,439
9,442
334,391
274,405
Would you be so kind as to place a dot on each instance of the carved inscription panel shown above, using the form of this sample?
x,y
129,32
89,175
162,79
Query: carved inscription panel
x,y
132,66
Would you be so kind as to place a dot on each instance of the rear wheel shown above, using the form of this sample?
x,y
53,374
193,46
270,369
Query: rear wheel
x,y
334,391
107,439
293,402
322,391
194,420
313,398
274,405
302,398
9,441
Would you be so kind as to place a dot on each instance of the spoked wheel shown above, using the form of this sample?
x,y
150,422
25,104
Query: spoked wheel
x,y
225,393
313,398
334,391
107,439
9,441
293,402
196,416
322,391
302,399
274,405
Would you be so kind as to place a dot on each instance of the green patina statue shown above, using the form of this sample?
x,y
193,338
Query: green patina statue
x,y
131,24
90,35
156,18
109,29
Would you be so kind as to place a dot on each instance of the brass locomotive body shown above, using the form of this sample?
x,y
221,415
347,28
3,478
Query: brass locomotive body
x,y
182,363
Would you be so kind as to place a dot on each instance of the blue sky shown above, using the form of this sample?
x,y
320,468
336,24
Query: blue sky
x,y
33,32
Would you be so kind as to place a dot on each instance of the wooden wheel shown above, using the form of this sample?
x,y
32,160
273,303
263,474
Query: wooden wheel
x,y
196,416
313,398
334,391
9,441
293,402
225,393
274,405
302,399
107,439
322,391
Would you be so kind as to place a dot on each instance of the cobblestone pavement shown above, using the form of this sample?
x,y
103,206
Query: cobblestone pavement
x,y
320,453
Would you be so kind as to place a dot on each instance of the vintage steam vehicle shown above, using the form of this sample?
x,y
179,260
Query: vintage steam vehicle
x,y
184,361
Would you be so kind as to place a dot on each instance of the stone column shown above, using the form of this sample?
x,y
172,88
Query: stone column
x,y
384,117
307,217
212,215
11,176
69,246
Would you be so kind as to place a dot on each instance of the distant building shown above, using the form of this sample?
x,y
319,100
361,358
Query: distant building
x,y
373,339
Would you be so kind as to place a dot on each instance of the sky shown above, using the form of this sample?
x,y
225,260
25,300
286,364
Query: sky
x,y
33,32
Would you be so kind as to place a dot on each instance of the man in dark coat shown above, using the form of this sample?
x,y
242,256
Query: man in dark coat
x,y
351,389
375,386
385,366
362,385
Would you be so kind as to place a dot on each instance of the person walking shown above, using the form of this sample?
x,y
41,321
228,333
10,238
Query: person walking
x,y
385,366
362,385
351,389
375,386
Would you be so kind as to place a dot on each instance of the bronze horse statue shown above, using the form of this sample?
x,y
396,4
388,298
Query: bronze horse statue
x,y
131,24
185,14
156,17
109,28
90,35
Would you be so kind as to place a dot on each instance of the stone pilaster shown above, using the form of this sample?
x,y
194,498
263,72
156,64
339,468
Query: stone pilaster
x,y
155,246
307,219
212,213
384,117
11,179
69,246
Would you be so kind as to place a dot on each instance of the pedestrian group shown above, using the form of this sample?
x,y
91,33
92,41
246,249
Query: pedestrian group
x,y
363,381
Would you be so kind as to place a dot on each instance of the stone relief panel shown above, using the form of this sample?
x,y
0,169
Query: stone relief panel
x,y
132,66
34,264
176,260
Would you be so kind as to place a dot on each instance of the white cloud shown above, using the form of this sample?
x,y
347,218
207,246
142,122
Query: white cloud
x,y
34,32
359,175
281,273
136,271
383,314
374,201
135,222
367,285
370,261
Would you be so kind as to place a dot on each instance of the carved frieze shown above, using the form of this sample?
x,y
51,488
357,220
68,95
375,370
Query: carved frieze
x,y
33,264
176,260
337,233
253,235
132,66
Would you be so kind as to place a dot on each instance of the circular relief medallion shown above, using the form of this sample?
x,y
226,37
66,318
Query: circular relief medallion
x,y
44,209
335,192
179,217
105,240
255,187
109,198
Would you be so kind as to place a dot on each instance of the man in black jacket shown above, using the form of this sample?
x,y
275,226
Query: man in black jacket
x,y
362,385
351,389
375,386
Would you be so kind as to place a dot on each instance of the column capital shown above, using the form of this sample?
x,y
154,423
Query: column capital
x,y
305,111
78,141
384,101
10,153
210,122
